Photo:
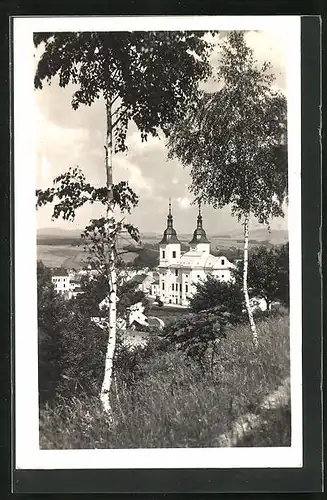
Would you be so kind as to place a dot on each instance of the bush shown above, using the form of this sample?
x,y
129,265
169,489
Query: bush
x,y
212,293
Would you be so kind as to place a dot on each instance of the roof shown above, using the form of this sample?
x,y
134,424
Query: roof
x,y
199,236
60,272
139,278
200,259
169,236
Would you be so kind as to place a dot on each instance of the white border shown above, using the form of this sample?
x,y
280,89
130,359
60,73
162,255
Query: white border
x,y
28,455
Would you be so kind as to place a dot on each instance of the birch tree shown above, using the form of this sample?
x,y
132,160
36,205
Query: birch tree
x,y
146,77
235,144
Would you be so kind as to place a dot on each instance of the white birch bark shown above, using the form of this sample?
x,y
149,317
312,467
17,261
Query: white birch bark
x,y
245,280
111,345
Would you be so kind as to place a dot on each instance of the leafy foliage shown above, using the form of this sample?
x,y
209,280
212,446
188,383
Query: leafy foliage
x,y
212,292
235,139
268,276
71,191
150,76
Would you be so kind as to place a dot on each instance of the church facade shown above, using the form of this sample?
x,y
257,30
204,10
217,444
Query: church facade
x,y
180,272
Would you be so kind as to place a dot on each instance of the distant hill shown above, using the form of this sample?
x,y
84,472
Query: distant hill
x,y
50,232
275,236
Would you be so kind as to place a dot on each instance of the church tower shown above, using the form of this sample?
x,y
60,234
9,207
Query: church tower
x,y
170,246
200,242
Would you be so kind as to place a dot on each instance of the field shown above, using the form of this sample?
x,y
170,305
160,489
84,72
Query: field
x,y
66,256
67,253
167,400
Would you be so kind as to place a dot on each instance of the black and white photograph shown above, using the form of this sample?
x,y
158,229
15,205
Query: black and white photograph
x,y
158,242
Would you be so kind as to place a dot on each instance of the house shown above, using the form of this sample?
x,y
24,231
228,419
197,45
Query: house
x,y
155,288
61,280
180,272
143,282
66,283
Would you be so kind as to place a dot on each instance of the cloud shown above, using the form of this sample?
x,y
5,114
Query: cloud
x,y
183,202
129,171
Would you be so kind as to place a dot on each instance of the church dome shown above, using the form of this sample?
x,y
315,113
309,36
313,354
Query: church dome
x,y
169,236
199,236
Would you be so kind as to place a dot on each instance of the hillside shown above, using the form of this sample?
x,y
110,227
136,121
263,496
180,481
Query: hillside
x,y
65,248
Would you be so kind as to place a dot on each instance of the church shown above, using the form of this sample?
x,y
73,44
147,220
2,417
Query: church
x,y
179,272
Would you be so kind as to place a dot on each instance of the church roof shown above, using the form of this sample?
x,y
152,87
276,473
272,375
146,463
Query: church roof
x,y
169,236
203,260
196,259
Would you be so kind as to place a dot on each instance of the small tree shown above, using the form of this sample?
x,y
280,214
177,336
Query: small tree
x,y
213,292
198,334
266,271
235,144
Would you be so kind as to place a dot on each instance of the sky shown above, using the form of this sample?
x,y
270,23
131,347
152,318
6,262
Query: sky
x,y
68,138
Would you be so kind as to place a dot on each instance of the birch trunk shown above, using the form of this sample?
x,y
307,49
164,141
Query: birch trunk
x,y
245,280
111,345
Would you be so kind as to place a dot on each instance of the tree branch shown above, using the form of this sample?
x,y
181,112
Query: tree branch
x,y
120,117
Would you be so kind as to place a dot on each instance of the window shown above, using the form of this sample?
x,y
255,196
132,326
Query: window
x,y
222,275
163,285
172,287
180,287
163,254
186,288
186,275
198,276
174,254
222,262
176,272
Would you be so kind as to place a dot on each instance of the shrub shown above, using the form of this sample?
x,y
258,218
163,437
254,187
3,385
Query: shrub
x,y
212,293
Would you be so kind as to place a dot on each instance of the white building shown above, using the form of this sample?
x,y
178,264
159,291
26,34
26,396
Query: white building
x,y
179,273
61,281
65,283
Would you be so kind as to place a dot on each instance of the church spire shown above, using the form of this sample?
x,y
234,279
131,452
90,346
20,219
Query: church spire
x,y
169,217
170,235
199,217
199,235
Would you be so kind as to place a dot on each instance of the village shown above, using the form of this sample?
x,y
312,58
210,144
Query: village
x,y
171,284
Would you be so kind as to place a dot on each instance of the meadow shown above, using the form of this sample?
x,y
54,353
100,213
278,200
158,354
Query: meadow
x,y
164,399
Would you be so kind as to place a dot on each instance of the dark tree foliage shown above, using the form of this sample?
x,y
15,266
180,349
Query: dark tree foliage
x,y
71,347
83,348
283,274
96,289
52,311
212,292
268,276
199,334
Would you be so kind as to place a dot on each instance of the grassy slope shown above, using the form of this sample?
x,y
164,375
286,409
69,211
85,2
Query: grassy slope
x,y
174,404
